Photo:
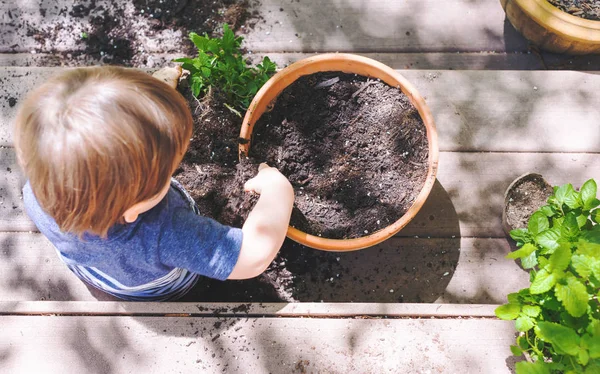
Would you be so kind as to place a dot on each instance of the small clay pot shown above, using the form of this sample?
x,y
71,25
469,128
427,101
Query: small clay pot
x,y
522,198
551,29
353,64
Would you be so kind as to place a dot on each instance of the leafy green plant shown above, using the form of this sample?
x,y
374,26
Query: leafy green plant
x,y
220,65
558,316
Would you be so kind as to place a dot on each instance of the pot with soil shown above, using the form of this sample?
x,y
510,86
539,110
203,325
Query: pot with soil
x,y
524,196
553,28
356,140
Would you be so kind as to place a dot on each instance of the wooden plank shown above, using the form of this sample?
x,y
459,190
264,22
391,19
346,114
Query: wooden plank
x,y
261,345
307,26
466,201
31,270
460,271
289,310
498,111
476,182
12,211
382,26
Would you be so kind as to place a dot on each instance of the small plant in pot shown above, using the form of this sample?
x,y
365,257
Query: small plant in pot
x,y
549,24
350,133
558,316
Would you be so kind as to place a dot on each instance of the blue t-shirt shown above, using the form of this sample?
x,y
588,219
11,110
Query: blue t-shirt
x,y
170,235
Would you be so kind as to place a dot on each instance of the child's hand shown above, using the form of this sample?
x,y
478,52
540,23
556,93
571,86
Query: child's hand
x,y
266,225
267,177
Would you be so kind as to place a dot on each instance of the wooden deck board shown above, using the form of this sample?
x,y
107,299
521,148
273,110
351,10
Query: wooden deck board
x,y
467,201
311,25
487,111
254,345
383,26
462,271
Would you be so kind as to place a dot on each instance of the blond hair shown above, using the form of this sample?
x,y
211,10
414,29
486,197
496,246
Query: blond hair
x,y
95,141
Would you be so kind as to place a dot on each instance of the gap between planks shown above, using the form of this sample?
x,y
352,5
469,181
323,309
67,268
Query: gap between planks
x,y
254,310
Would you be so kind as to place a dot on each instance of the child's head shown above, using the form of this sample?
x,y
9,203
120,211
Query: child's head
x,y
95,141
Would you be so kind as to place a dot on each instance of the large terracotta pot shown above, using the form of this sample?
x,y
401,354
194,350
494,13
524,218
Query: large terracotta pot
x,y
346,63
552,29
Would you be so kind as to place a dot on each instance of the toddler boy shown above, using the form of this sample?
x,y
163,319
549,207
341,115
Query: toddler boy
x,y
98,146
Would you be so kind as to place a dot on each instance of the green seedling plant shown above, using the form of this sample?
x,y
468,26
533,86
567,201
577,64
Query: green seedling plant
x,y
558,316
220,65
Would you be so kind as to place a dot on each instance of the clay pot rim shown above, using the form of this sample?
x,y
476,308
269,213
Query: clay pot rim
x,y
560,22
348,63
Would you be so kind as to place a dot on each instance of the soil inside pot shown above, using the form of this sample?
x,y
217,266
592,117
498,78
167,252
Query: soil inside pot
x,y
524,197
212,174
588,9
355,150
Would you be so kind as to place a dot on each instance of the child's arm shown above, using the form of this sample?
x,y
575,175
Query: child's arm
x,y
266,226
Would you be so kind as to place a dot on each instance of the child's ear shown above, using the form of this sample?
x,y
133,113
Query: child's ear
x,y
131,214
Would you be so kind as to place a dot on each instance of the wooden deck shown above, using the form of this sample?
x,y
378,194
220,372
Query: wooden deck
x,y
499,113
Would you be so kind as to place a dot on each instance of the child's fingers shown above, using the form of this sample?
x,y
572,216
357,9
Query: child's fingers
x,y
250,185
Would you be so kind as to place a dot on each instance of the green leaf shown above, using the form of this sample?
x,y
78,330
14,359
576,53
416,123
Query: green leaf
x,y
592,250
206,72
524,251
550,303
213,46
538,367
566,194
570,226
531,310
519,234
199,41
595,266
583,357
596,216
547,210
573,296
548,239
524,323
508,311
581,264
543,282
522,342
588,193
563,339
560,259
592,344
593,328
513,298
267,66
184,60
592,368
516,351
538,222
581,220
228,39
530,261
592,236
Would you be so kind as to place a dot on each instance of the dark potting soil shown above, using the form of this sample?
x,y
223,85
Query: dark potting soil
x,y
354,149
523,198
120,32
212,174
588,9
